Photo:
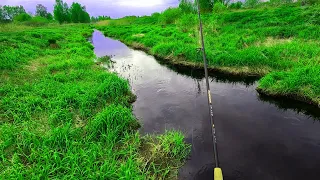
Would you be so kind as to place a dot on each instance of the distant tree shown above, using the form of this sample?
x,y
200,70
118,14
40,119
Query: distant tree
x,y
58,11
309,2
41,10
169,16
1,14
49,17
100,18
279,2
66,12
206,5
86,17
61,12
9,12
187,6
76,12
79,14
251,3
236,5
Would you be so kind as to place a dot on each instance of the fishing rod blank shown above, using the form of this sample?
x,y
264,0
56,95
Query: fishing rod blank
x,y
217,171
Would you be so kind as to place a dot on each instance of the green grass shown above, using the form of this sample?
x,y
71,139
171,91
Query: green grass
x,y
64,117
277,40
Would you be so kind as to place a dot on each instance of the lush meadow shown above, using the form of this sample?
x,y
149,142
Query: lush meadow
x,y
280,44
64,117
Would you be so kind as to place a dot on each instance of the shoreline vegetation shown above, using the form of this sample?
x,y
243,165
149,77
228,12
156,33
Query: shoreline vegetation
x,y
63,116
279,44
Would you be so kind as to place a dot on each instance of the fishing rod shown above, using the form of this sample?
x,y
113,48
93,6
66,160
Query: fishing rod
x,y
217,171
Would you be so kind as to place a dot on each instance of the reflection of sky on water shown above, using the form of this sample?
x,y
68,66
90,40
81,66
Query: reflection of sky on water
x,y
257,138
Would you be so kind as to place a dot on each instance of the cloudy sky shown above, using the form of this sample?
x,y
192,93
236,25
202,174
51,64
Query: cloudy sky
x,y
113,8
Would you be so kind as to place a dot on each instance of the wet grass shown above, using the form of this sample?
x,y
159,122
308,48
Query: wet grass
x,y
64,117
280,42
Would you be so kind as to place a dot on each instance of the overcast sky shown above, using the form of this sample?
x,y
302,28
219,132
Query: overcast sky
x,y
113,8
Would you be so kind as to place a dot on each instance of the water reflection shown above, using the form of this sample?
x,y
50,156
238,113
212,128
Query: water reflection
x,y
286,104
257,138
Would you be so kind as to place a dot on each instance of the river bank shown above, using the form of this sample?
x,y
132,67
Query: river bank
x,y
252,131
62,116
253,42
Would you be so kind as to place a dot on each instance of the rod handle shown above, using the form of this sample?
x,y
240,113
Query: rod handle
x,y
218,174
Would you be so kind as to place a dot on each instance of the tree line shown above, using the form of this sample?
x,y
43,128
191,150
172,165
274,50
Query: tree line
x,y
62,13
76,13
100,18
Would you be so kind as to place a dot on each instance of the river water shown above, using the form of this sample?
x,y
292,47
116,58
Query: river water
x,y
258,138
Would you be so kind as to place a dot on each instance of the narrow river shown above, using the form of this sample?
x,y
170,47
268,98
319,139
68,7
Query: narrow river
x,y
258,138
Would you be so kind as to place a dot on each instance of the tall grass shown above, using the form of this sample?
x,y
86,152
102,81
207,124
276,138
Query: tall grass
x,y
63,117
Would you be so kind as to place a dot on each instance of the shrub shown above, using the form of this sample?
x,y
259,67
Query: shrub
x,y
309,2
236,5
170,15
251,3
37,21
187,6
22,17
219,7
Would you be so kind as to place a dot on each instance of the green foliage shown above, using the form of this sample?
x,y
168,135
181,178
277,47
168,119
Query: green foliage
x,y
206,5
219,8
188,22
42,11
1,14
100,18
236,5
63,117
309,2
187,6
105,59
76,13
22,17
79,14
61,12
159,152
7,13
301,82
37,21
49,17
170,15
252,3
251,42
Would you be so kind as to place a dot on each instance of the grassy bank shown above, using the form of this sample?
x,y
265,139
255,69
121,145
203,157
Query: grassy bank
x,y
279,43
63,117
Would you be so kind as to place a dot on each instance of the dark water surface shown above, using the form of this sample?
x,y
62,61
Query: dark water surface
x,y
258,138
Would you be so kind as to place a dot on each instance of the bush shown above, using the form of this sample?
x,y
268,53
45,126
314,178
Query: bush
x,y
251,3
187,6
37,21
170,15
219,7
309,2
236,5
22,17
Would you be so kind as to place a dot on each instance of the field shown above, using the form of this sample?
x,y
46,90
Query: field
x,y
64,117
280,44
